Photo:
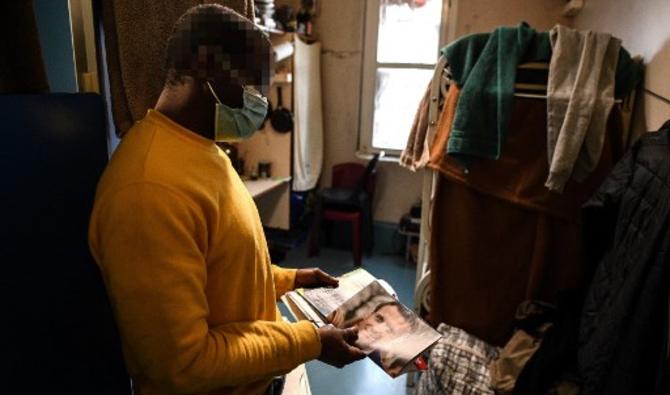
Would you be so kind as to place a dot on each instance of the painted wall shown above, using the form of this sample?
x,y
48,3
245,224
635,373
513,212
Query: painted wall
x,y
477,16
643,26
53,24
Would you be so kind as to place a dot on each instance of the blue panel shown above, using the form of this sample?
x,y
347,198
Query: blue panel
x,y
53,24
62,337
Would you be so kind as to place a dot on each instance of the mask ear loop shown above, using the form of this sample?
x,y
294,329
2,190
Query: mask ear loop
x,y
213,93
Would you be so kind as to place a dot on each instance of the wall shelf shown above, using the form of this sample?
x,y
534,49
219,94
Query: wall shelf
x,y
260,187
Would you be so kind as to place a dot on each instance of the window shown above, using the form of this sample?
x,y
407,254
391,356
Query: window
x,y
402,40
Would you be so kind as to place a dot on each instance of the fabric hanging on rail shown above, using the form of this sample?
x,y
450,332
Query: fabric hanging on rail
x,y
484,66
136,32
499,237
443,129
308,137
416,154
414,148
580,96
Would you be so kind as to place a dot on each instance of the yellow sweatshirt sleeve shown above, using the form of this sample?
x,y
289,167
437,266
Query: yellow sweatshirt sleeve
x,y
156,274
284,279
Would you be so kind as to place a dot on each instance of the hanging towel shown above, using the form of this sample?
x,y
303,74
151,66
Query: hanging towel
x,y
445,122
414,147
484,67
580,96
308,139
417,150
135,33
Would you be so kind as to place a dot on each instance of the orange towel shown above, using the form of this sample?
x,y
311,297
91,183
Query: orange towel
x,y
446,120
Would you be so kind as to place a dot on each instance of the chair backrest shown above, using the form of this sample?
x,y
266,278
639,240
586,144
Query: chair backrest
x,y
347,175
355,176
62,335
370,169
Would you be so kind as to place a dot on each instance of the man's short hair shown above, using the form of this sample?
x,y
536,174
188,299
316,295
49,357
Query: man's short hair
x,y
211,41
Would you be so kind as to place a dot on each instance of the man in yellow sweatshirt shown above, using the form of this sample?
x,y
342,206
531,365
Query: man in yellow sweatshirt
x,y
178,238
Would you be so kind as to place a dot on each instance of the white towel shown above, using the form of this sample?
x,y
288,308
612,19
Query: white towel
x,y
580,96
308,137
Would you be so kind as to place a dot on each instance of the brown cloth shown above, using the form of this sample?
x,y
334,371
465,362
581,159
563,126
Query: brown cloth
x,y
499,237
136,32
416,154
446,119
22,67
417,135
519,175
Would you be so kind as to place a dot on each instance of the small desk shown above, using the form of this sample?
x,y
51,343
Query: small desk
x,y
260,187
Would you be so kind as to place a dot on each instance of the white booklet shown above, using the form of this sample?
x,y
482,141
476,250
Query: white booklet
x,y
392,335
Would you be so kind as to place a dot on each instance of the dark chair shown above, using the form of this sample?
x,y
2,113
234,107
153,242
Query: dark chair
x,y
349,199
60,336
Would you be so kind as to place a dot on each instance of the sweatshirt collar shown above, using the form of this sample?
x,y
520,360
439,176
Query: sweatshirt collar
x,y
167,123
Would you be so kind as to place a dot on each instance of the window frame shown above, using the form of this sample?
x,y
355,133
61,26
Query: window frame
x,y
370,65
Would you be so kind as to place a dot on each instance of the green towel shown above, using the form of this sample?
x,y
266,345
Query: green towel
x,y
484,67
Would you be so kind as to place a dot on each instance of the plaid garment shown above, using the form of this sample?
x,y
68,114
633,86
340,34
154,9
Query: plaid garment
x,y
458,365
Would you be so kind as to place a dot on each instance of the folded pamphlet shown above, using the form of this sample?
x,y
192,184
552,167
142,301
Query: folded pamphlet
x,y
391,334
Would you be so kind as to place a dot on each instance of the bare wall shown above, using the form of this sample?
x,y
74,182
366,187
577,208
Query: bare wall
x,y
644,27
477,16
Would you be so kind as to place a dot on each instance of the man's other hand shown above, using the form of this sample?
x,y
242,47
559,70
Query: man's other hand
x,y
314,278
336,346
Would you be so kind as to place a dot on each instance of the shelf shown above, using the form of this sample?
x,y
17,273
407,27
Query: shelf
x,y
271,30
260,187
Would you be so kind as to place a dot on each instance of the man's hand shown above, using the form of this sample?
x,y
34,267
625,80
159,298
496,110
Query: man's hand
x,y
314,278
336,346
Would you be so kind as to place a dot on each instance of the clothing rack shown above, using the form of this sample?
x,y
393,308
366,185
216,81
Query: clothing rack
x,y
535,87
536,96
539,68
656,95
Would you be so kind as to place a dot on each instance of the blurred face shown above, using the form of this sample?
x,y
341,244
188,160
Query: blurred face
x,y
252,68
385,323
224,48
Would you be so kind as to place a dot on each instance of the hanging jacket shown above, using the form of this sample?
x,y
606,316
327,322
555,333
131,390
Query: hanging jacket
x,y
627,222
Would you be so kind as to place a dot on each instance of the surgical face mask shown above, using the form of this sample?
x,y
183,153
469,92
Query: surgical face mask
x,y
235,124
